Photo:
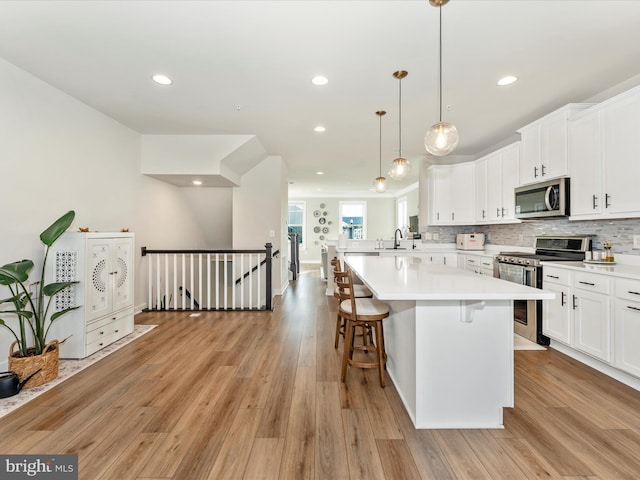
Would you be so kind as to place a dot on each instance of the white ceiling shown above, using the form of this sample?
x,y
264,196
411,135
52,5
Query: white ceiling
x,y
244,67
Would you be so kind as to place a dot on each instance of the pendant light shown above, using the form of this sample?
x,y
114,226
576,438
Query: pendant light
x,y
380,183
400,167
442,137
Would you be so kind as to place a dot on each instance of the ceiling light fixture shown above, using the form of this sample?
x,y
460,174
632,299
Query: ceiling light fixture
x,y
161,79
400,167
380,183
319,129
319,173
442,137
197,182
319,80
508,80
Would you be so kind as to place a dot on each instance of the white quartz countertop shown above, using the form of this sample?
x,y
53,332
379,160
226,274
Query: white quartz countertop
x,y
405,277
615,270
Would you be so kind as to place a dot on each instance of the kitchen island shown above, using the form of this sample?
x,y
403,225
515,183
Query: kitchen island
x,y
449,338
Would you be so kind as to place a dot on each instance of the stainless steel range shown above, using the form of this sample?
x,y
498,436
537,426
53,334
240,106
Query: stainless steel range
x,y
525,269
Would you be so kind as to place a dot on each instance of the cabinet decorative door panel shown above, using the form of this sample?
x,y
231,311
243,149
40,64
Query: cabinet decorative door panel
x,y
627,334
556,322
585,153
554,147
510,166
621,155
592,323
97,289
530,152
121,276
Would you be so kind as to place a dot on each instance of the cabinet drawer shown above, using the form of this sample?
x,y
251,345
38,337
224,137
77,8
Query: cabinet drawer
x,y
99,344
102,332
556,275
628,289
591,282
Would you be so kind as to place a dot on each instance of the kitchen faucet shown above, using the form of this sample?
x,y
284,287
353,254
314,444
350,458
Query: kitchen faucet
x,y
396,241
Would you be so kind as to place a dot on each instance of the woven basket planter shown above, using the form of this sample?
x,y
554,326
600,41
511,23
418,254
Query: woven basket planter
x,y
48,362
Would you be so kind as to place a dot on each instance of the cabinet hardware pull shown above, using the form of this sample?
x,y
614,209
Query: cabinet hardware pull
x,y
633,293
117,331
503,211
438,216
101,333
535,172
101,344
445,260
595,197
542,171
453,215
606,200
562,302
633,308
497,212
587,283
553,276
574,302
484,213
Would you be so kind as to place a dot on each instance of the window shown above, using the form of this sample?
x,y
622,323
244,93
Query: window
x,y
296,222
353,219
402,215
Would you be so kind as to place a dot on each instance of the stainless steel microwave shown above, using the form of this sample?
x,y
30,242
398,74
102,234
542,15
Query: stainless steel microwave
x,y
543,200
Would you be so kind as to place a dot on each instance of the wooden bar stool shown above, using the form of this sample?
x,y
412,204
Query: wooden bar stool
x,y
360,291
365,313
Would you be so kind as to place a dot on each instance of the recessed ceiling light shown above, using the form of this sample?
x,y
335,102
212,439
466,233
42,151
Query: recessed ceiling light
x,y
161,79
197,182
319,129
508,80
319,80
319,173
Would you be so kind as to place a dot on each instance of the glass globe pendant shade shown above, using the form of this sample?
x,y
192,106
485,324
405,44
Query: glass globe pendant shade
x,y
380,185
441,139
400,168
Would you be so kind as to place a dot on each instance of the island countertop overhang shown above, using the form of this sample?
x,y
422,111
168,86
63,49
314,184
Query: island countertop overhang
x,y
404,277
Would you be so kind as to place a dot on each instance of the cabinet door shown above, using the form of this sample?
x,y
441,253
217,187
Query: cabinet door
x,y
440,195
556,316
98,292
627,336
621,155
463,193
481,191
510,164
494,187
121,272
592,323
585,158
450,260
530,152
553,133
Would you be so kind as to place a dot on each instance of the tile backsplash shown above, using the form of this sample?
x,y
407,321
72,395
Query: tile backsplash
x,y
619,232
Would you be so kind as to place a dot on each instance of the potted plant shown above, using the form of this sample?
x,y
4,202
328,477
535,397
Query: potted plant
x,y
33,312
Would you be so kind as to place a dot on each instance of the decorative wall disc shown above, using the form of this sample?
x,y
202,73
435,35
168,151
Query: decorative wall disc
x,y
316,229
316,213
322,205
321,237
325,230
322,220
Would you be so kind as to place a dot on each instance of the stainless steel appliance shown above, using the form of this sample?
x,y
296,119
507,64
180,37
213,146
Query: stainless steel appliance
x,y
545,199
525,269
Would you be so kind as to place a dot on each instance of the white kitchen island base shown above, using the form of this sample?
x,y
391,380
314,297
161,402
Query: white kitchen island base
x,y
452,361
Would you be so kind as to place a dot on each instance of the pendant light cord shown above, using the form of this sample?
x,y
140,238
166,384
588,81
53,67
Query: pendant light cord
x,y
380,146
400,118
440,61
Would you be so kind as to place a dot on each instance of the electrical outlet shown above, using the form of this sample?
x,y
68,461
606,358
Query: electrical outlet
x,y
636,242
436,236
521,238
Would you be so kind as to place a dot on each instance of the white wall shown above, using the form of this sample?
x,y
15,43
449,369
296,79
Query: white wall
x,y
58,154
258,212
212,208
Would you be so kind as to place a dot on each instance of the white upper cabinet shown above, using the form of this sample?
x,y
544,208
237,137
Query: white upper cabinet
x,y
543,151
500,178
604,157
452,194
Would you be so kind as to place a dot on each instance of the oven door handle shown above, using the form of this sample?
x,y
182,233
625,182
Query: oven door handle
x,y
529,277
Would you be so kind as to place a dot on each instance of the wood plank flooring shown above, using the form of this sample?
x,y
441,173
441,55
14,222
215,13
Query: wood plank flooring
x,y
255,395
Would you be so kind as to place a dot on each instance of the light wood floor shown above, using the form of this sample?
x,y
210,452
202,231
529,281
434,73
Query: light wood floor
x,y
257,395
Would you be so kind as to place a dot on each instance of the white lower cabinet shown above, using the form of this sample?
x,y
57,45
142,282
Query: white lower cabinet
x,y
556,317
103,265
627,326
581,314
480,264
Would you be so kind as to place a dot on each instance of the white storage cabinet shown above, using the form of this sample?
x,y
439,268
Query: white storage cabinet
x,y
103,265
627,326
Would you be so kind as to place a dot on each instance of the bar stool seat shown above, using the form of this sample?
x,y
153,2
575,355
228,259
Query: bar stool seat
x,y
367,313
